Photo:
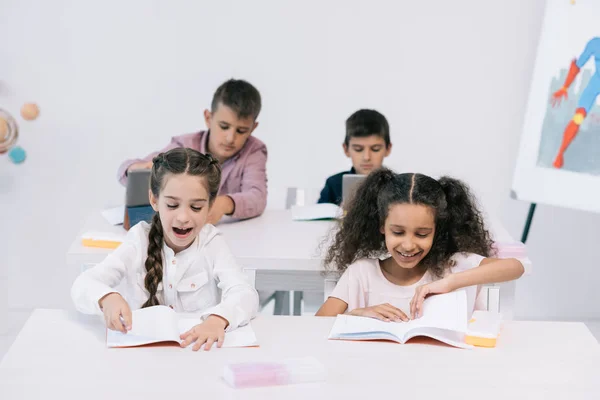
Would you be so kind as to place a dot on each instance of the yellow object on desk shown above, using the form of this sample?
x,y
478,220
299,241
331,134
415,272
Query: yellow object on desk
x,y
104,240
484,329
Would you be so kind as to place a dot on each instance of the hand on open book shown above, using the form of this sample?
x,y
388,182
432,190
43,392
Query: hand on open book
x,y
385,312
117,313
210,331
435,287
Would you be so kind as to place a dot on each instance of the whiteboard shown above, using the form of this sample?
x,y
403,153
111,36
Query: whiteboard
x,y
569,28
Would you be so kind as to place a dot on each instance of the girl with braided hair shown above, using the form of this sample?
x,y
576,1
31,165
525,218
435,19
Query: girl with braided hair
x,y
178,260
405,237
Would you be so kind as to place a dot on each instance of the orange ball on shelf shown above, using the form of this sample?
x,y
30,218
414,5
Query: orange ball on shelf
x,y
30,111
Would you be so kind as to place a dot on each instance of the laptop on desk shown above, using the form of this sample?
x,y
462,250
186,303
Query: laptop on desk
x,y
137,198
350,183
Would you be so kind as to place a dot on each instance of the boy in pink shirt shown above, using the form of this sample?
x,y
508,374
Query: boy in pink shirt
x,y
243,158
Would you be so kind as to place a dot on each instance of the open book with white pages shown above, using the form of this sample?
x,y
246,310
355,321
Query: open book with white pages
x,y
162,324
444,319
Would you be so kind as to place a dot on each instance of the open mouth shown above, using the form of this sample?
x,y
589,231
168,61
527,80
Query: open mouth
x,y
181,233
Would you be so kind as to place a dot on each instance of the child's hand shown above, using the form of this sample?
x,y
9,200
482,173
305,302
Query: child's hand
x,y
385,312
215,214
222,205
210,331
114,307
140,165
437,287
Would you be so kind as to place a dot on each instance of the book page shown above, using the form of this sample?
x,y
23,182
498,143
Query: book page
x,y
453,338
444,314
444,311
364,328
114,215
149,325
242,336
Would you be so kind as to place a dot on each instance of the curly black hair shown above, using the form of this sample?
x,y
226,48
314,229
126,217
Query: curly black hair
x,y
458,221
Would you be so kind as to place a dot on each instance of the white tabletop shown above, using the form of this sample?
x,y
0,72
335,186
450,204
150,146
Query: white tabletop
x,y
272,241
267,242
62,355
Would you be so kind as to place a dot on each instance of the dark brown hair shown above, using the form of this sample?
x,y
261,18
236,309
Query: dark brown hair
x,y
365,123
239,95
176,161
459,225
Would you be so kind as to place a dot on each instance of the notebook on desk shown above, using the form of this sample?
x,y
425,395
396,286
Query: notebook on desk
x,y
444,319
137,198
160,324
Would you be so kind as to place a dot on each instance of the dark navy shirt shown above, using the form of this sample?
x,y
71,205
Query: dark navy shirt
x,y
332,192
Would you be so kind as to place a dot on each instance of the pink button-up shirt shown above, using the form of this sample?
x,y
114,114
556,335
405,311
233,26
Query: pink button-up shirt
x,y
243,178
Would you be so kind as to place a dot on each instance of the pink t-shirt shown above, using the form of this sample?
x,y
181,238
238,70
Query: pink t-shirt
x,y
364,285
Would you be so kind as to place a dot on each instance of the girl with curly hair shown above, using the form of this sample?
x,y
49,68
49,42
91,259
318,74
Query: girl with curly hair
x,y
405,237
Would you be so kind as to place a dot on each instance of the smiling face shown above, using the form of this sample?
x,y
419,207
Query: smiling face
x,y
183,206
409,230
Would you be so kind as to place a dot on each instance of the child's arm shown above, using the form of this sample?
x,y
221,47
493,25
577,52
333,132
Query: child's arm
x,y
239,300
95,283
332,307
490,270
251,201
124,168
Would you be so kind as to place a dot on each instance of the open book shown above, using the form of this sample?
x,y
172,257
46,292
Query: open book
x,y
444,319
161,324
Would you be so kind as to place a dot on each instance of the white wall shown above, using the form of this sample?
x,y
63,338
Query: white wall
x,y
116,79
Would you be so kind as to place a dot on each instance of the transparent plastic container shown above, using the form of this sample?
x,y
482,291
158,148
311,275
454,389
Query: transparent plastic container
x,y
285,372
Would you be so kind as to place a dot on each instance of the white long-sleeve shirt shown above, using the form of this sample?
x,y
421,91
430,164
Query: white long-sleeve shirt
x,y
205,278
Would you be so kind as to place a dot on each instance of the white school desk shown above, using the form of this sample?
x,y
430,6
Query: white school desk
x,y
279,253
62,355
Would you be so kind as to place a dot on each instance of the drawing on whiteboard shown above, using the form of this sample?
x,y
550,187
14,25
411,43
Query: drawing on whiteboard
x,y
570,140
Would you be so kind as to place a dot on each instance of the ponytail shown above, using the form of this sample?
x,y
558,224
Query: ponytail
x,y
359,234
464,221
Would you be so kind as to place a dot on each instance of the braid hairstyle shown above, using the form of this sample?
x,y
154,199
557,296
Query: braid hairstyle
x,y
176,161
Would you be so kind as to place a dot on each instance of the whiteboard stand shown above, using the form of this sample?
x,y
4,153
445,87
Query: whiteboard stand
x,y
528,222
